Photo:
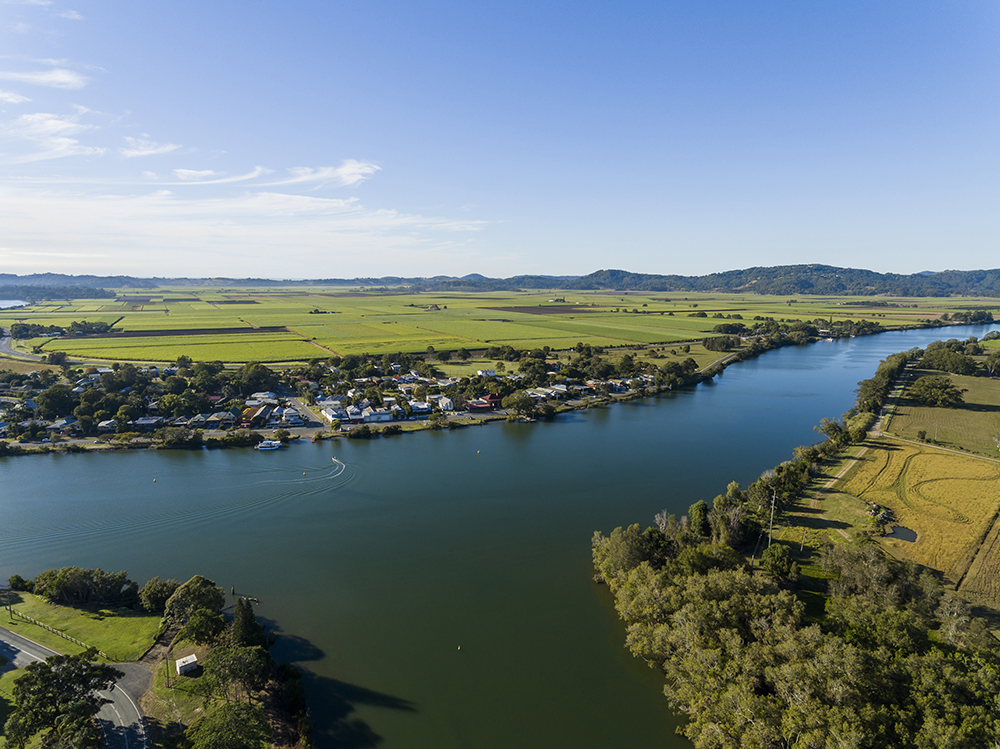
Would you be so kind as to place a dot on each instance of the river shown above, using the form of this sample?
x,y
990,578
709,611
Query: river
x,y
437,586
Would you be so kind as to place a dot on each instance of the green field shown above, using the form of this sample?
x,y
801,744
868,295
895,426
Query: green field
x,y
974,426
123,634
180,321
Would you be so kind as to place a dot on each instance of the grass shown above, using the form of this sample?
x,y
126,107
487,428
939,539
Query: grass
x,y
973,426
180,703
123,634
951,502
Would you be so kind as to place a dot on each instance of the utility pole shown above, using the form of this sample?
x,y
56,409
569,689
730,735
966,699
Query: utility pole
x,y
770,529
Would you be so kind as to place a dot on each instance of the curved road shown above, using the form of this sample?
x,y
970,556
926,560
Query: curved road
x,y
6,350
120,720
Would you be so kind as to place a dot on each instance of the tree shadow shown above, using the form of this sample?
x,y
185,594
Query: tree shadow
x,y
332,702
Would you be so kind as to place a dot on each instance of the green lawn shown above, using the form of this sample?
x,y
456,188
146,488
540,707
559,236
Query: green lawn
x,y
123,634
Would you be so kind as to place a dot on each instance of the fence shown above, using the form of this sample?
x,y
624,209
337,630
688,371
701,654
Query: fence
x,y
57,632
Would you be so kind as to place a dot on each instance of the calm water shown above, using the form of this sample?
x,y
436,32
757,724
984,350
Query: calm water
x,y
437,587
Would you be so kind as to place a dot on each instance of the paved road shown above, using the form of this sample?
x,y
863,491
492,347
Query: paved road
x,y
120,720
6,350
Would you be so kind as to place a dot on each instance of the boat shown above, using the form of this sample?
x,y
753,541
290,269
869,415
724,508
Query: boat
x,y
267,445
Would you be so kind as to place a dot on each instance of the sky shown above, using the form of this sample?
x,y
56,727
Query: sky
x,y
342,139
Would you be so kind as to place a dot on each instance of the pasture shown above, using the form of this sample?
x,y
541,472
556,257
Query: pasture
x,y
323,321
974,426
951,501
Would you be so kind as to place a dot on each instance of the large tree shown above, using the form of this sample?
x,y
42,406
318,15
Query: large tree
x,y
197,593
59,696
936,391
233,725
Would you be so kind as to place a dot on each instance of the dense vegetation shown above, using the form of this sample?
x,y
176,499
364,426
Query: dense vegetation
x,y
779,280
892,660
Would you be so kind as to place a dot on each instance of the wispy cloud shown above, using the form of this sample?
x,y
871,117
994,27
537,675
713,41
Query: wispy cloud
x,y
55,78
71,14
191,176
350,172
52,134
19,27
273,233
140,147
195,173
8,97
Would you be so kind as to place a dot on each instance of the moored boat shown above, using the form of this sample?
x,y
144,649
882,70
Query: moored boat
x,y
267,445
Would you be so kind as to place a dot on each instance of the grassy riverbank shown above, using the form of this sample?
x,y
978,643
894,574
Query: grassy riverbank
x,y
122,634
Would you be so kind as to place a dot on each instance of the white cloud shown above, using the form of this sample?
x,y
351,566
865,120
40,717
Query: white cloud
x,y
71,14
53,134
194,173
140,147
274,234
55,78
190,174
20,27
350,172
8,97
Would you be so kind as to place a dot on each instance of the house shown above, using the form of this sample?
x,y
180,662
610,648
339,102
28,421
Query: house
x,y
108,425
292,418
486,372
147,422
221,420
371,415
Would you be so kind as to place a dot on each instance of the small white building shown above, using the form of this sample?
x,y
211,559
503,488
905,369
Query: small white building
x,y
186,664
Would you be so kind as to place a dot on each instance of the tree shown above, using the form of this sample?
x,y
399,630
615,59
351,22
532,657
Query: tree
x,y
698,518
934,390
203,628
519,402
231,670
197,593
245,631
57,401
234,725
154,594
777,561
58,695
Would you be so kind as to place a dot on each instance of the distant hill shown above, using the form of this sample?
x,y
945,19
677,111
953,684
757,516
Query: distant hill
x,y
782,280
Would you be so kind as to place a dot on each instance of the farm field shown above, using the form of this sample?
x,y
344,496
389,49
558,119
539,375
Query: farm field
x,y
322,321
973,426
950,501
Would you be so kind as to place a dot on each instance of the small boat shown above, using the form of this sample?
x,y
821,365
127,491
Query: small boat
x,y
268,445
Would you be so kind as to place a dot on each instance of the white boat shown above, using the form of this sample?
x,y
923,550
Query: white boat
x,y
267,445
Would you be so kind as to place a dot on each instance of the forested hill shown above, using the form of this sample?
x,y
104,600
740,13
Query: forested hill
x,y
780,280
803,279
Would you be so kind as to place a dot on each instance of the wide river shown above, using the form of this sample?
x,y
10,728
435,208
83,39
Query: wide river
x,y
437,587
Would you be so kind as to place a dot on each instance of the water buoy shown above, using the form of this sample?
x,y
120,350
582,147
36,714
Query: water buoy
x,y
154,481
459,647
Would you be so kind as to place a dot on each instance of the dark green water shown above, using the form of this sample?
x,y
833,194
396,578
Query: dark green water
x,y
378,568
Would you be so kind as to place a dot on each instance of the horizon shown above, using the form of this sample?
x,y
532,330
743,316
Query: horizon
x,y
320,141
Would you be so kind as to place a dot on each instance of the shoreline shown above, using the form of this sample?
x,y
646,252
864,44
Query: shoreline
x,y
211,440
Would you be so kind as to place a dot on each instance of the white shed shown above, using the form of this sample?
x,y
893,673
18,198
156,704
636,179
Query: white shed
x,y
187,663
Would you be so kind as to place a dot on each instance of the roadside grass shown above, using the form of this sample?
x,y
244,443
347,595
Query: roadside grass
x,y
121,633
950,501
20,366
39,635
972,426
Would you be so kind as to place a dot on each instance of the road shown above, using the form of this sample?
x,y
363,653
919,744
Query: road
x,y
120,720
6,350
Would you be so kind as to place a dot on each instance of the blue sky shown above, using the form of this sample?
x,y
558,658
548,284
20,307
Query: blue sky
x,y
342,139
